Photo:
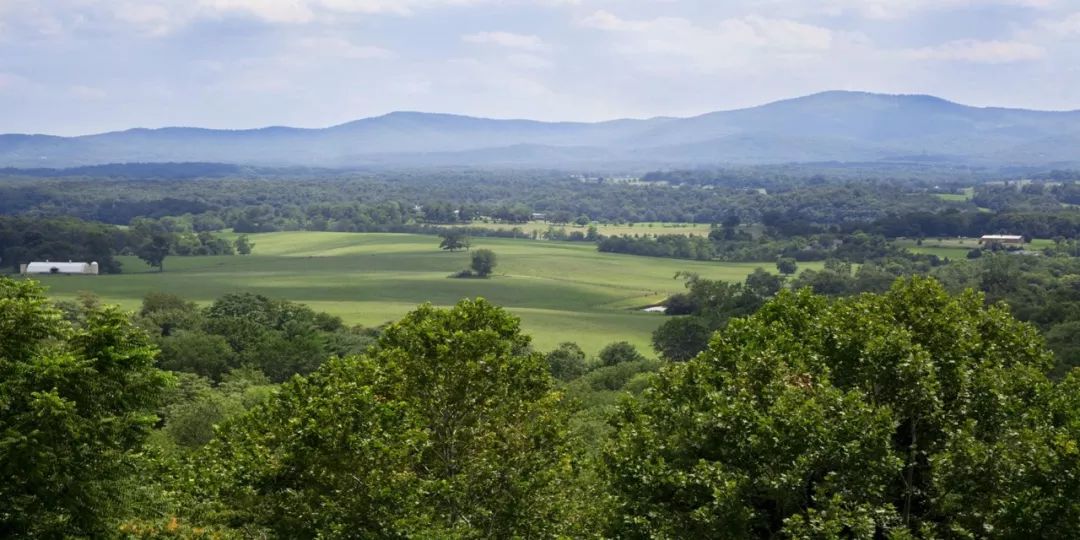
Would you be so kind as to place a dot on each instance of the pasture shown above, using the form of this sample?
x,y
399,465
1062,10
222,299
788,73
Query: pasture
x,y
562,291
646,228
958,248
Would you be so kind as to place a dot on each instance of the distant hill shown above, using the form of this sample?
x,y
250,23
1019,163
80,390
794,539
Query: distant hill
x,y
830,126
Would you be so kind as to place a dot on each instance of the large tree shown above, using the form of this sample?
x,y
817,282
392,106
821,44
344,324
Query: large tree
x,y
154,251
454,239
911,413
77,400
483,262
450,428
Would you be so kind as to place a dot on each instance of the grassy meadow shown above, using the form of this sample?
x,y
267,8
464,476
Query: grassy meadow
x,y
646,228
967,194
958,248
562,291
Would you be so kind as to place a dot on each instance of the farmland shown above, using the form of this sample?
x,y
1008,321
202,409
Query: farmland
x,y
562,291
645,228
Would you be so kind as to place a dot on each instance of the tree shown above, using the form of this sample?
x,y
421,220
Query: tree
x,y
786,266
618,353
681,338
453,240
483,262
592,234
154,251
244,245
763,284
196,352
911,413
164,313
449,428
566,362
78,400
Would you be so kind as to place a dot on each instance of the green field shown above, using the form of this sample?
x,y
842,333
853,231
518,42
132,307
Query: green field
x,y
561,290
966,195
958,248
648,228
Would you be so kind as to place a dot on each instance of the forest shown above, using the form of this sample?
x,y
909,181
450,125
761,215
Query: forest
x,y
805,417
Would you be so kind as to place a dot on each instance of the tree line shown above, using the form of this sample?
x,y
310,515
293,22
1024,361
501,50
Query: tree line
x,y
911,413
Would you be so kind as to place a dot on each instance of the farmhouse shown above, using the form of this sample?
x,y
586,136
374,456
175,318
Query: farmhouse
x,y
1001,239
69,267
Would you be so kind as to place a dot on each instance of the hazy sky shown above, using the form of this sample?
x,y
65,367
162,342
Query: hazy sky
x,y
81,66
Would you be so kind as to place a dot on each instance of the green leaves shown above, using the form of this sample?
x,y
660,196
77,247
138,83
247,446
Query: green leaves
x,y
910,412
450,427
76,404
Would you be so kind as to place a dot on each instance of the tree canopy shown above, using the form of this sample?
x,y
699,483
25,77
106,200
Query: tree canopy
x,y
910,413
483,262
77,400
453,240
450,428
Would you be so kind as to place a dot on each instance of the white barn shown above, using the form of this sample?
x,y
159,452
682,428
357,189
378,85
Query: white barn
x,y
1008,239
69,267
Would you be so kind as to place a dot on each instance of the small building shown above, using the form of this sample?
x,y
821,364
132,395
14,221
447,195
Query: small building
x,y
67,268
1001,239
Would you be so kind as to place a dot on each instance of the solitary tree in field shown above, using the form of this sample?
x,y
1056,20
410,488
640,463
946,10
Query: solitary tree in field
x,y
244,245
483,262
154,252
787,266
454,240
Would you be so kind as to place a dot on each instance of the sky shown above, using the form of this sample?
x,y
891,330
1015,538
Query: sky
x,y
70,67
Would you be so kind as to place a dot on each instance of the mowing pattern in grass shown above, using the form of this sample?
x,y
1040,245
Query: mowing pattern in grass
x,y
562,291
647,228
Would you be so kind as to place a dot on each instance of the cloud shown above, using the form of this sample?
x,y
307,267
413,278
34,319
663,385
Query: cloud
x,y
278,11
899,9
507,39
1065,26
323,46
728,42
529,61
87,93
751,30
240,63
979,52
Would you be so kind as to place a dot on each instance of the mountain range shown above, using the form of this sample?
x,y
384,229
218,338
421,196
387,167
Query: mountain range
x,y
829,126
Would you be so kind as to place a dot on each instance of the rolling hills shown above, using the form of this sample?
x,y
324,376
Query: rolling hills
x,y
829,126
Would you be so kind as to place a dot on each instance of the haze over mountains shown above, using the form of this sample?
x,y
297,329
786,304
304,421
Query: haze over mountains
x,y
830,126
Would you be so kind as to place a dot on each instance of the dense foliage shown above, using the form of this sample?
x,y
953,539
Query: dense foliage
x,y
449,428
908,414
77,401
24,239
347,201
244,330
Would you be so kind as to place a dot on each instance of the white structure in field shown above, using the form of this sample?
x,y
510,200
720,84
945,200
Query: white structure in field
x,y
1005,239
69,267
